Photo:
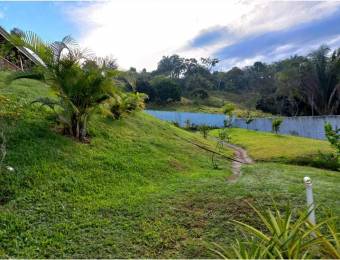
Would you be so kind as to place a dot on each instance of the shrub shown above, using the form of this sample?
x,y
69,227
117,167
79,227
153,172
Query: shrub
x,y
200,93
228,110
249,120
285,236
175,123
143,86
276,124
190,126
167,90
333,136
204,129
321,160
81,83
126,103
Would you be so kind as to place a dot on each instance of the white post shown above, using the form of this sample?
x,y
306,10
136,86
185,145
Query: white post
x,y
310,201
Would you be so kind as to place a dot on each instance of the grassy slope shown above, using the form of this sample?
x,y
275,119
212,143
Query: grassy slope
x,y
137,190
264,146
213,105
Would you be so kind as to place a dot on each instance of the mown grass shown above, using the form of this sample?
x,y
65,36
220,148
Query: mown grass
x,y
137,190
264,146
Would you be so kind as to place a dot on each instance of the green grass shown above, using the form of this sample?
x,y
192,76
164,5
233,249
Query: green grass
x,y
137,190
213,104
264,146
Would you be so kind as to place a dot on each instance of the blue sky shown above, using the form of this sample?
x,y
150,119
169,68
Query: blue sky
x,y
139,32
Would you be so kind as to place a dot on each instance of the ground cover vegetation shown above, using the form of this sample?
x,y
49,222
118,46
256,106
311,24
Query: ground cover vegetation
x,y
263,146
134,186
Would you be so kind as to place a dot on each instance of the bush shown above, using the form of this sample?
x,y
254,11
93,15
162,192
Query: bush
x,y
126,103
167,90
333,136
204,129
321,160
200,93
228,110
276,124
189,126
175,123
143,86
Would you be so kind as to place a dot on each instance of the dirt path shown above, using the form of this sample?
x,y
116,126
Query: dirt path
x,y
242,157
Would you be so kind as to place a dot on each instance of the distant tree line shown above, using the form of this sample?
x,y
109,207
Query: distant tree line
x,y
299,85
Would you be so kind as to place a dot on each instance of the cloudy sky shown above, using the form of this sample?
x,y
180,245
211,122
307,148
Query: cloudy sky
x,y
139,32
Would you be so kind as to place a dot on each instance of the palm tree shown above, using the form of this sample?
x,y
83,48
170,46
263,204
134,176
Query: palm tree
x,y
80,81
320,78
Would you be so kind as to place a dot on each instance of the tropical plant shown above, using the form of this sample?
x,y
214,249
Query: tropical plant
x,y
285,236
80,81
276,124
126,103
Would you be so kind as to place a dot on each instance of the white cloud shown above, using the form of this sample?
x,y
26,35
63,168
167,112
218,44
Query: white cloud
x,y
140,32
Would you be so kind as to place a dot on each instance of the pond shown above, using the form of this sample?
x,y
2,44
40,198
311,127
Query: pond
x,y
306,126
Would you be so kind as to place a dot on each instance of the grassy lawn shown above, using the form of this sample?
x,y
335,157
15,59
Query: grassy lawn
x,y
264,146
138,190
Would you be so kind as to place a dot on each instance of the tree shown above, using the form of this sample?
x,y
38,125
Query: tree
x,y
80,83
167,90
276,124
228,110
172,66
210,63
320,81
144,86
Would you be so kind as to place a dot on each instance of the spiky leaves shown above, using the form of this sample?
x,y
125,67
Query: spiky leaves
x,y
79,81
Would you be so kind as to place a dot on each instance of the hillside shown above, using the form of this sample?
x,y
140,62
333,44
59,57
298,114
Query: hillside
x,y
213,104
139,189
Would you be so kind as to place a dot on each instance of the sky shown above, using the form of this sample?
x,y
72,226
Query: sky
x,y
139,32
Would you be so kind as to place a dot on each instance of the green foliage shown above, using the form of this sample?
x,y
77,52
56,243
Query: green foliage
x,y
222,138
167,90
125,103
200,93
204,130
285,236
276,124
323,160
80,83
264,146
228,109
333,136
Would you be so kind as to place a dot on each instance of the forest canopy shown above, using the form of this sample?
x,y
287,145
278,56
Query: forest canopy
x,y
298,85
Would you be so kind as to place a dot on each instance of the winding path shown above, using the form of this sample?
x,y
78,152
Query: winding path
x,y
242,157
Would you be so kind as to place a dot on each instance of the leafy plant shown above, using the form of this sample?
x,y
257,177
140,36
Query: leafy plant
x,y
126,103
276,124
223,137
204,130
80,82
333,136
249,119
284,236
228,110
